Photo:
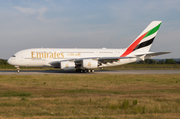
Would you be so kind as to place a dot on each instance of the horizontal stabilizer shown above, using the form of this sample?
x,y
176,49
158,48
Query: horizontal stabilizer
x,y
152,54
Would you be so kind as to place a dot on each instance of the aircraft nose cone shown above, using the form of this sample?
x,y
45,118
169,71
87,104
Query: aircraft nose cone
x,y
10,61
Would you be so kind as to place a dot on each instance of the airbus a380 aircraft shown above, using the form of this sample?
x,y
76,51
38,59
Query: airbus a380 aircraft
x,y
85,60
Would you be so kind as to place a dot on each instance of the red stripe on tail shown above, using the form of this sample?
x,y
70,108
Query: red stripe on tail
x,y
132,46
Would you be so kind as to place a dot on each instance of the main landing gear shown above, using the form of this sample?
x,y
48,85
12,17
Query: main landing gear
x,y
84,70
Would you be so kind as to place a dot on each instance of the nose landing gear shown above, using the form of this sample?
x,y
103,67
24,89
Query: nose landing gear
x,y
18,69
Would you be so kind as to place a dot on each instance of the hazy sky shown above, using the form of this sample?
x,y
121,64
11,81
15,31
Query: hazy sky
x,y
86,24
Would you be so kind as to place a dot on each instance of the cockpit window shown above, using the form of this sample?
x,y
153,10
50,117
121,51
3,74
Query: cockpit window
x,y
13,56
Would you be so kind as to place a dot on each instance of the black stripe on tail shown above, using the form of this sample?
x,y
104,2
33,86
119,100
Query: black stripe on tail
x,y
144,44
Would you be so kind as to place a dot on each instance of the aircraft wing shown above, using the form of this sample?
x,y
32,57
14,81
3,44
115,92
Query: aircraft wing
x,y
99,59
104,60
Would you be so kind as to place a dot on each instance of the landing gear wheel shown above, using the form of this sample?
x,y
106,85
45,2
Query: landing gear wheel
x,y
89,70
85,71
18,69
79,70
92,71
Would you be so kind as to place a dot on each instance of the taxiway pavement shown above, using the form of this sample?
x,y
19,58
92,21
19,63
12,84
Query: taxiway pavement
x,y
59,72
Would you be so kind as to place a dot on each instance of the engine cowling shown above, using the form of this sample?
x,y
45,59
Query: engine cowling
x,y
89,63
66,65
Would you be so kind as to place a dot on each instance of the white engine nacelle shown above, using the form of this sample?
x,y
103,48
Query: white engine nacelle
x,y
66,65
89,64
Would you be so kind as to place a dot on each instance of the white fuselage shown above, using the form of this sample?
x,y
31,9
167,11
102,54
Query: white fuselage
x,y
39,57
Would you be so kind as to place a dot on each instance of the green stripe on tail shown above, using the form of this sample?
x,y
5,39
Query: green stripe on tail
x,y
155,29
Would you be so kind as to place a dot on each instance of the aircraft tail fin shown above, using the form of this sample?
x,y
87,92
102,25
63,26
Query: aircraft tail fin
x,y
143,42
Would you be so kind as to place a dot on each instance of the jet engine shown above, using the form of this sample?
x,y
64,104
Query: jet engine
x,y
67,65
89,63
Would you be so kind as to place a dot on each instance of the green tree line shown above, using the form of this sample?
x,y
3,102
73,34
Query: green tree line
x,y
3,62
166,61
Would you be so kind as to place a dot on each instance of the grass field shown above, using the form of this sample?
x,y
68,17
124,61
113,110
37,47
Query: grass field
x,y
90,96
